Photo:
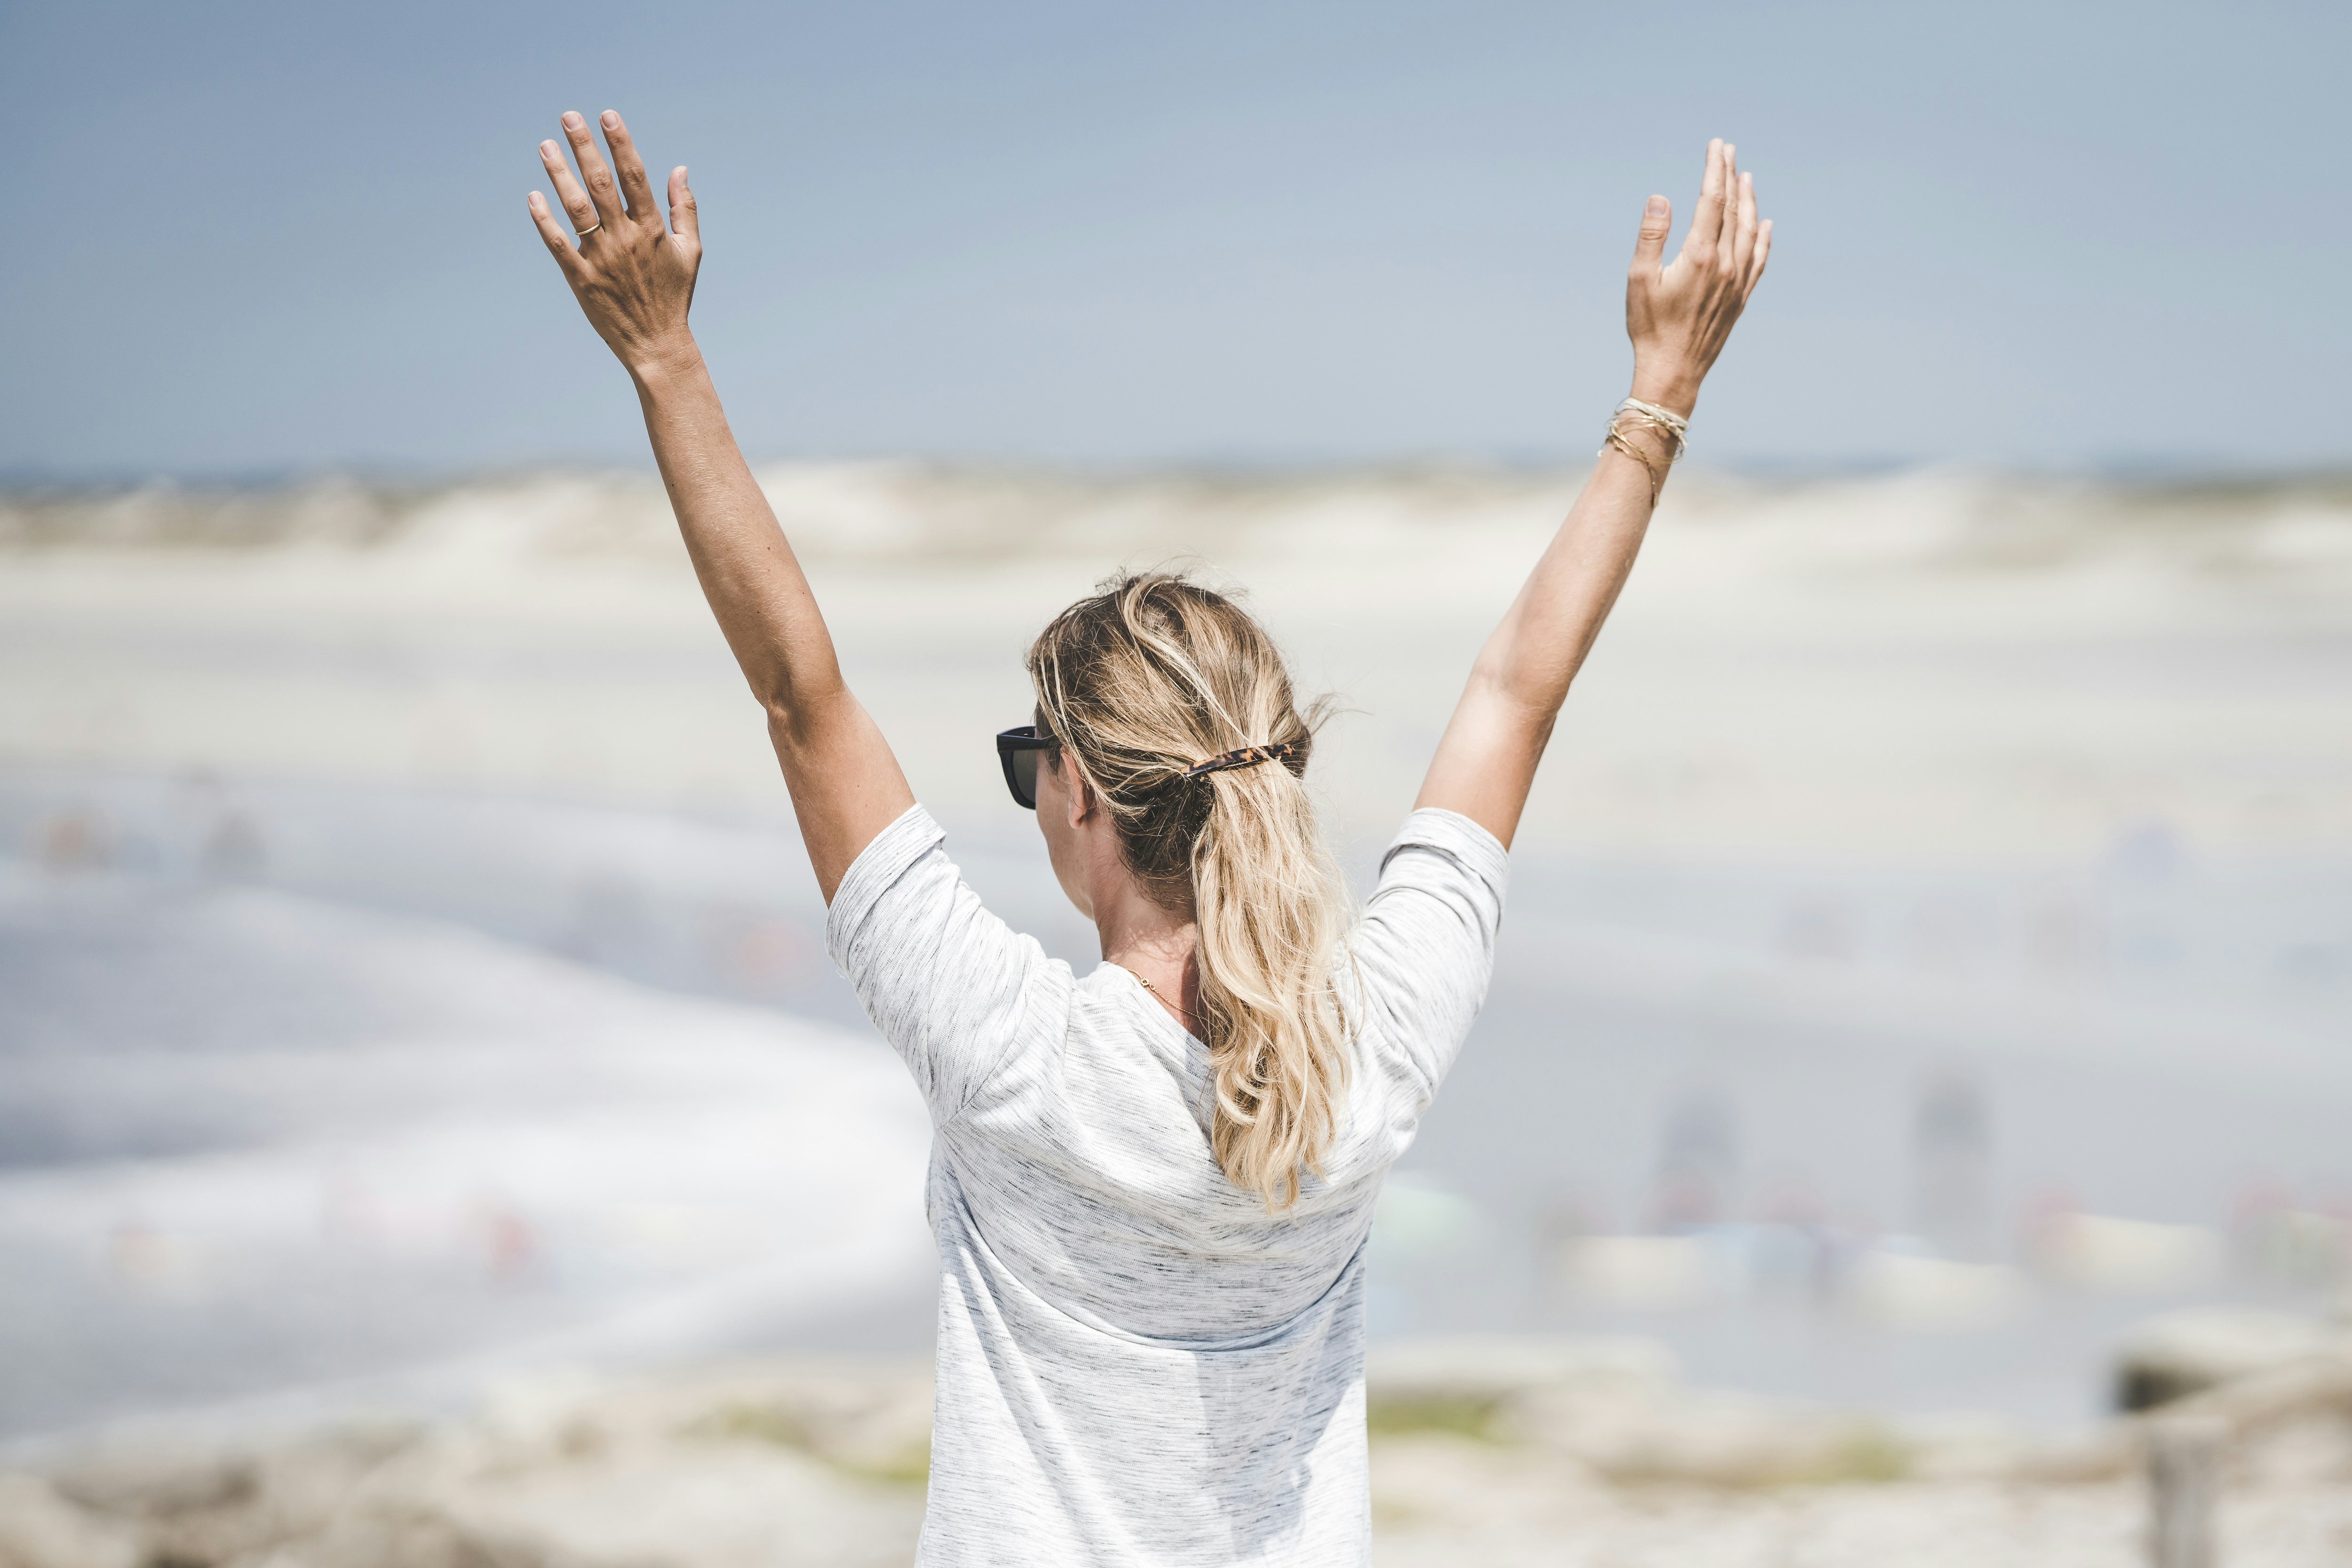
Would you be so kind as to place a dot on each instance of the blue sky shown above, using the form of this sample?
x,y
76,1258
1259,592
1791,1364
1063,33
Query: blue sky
x,y
256,238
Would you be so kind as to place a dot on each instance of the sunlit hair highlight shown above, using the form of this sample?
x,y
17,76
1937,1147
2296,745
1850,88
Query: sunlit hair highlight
x,y
1147,677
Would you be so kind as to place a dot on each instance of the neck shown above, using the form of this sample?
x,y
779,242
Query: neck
x,y
1154,945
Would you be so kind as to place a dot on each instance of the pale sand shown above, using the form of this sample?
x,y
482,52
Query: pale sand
x,y
781,1464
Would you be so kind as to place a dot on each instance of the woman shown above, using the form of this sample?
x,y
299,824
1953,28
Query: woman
x,y
1151,1185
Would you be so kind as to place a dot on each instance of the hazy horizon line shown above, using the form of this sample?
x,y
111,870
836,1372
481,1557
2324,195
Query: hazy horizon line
x,y
2124,470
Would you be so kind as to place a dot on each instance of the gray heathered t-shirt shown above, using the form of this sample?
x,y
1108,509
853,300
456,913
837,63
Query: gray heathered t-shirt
x,y
1137,1364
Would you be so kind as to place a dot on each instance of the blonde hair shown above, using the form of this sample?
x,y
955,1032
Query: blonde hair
x,y
1153,674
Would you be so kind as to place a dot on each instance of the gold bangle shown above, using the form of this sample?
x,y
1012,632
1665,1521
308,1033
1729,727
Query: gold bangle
x,y
1665,419
1616,438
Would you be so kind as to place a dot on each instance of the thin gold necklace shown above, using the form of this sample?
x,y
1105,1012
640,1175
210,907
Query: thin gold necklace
x,y
1159,995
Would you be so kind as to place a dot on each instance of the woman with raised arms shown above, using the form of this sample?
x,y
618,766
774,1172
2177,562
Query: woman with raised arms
x,y
1151,1185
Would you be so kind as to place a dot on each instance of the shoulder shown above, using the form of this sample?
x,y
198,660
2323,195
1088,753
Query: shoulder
x,y
1423,954
885,862
1436,839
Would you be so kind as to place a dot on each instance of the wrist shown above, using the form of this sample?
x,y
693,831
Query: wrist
x,y
664,363
1668,389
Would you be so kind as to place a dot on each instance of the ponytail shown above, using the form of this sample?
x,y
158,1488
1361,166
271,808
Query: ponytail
x,y
1140,682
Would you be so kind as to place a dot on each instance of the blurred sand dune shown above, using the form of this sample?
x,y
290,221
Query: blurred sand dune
x,y
1919,667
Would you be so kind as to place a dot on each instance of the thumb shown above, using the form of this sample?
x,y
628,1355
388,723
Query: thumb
x,y
1650,246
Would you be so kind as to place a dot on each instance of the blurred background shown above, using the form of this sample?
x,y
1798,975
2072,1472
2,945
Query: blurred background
x,y
1930,949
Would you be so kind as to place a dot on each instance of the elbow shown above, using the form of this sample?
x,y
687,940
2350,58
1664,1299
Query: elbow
x,y
797,717
787,719
1530,696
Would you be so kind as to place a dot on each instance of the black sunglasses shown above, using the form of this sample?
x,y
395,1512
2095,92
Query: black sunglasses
x,y
1018,751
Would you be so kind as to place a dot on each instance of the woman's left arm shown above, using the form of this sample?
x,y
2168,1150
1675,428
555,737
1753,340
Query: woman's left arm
x,y
1679,316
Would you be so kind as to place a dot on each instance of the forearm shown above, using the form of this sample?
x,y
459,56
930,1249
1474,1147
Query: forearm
x,y
845,785
762,600
1543,640
1486,761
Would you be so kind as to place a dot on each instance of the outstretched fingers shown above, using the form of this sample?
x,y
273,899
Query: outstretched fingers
x,y
594,171
576,204
1706,218
629,167
559,244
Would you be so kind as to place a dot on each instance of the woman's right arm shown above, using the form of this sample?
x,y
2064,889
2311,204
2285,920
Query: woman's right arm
x,y
634,276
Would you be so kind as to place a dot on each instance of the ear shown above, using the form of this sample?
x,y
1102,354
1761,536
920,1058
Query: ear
x,y
1082,798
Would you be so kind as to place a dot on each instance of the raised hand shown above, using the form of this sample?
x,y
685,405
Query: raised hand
x,y
1679,315
632,272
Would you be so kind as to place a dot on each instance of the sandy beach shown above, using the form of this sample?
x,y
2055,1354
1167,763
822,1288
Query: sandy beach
x,y
1930,949
1490,1453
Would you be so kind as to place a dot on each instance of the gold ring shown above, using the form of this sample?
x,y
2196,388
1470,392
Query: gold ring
x,y
590,229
